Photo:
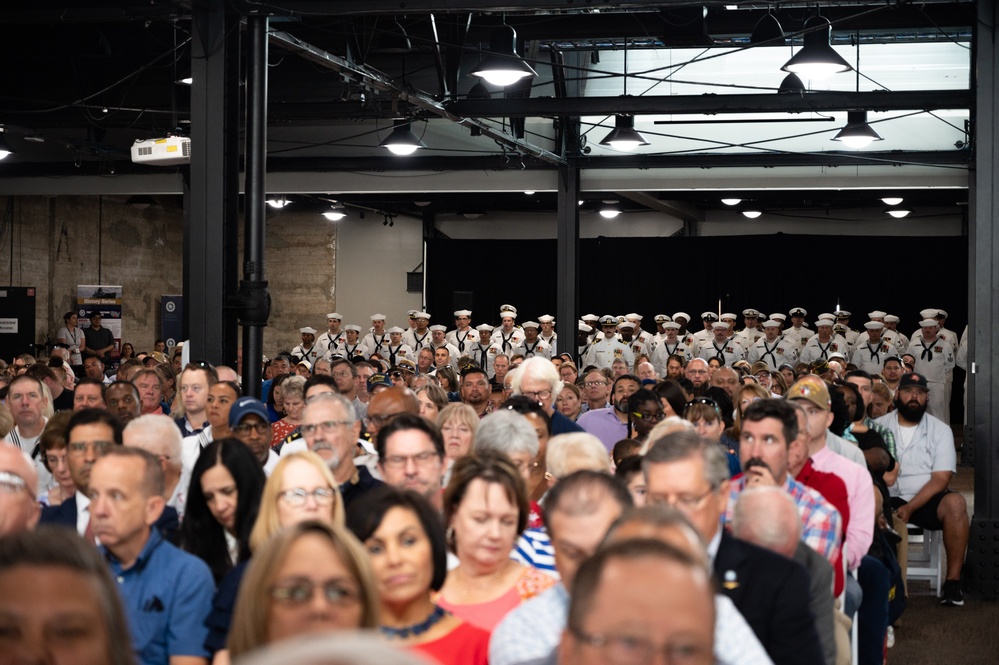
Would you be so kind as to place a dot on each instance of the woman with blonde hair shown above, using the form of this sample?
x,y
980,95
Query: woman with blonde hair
x,y
278,600
458,423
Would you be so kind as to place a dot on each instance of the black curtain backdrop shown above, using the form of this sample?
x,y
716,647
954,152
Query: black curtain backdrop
x,y
900,275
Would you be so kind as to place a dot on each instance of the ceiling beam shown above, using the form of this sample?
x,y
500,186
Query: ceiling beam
x,y
685,212
879,100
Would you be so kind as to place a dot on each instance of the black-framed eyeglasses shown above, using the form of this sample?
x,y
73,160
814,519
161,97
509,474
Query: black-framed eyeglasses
x,y
246,428
656,417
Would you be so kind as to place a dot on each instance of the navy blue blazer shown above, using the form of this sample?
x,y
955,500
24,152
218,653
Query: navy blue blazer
x,y
772,593
65,515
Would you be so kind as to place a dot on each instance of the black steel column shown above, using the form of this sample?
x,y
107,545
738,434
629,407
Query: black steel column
x,y
212,186
255,303
983,348
567,303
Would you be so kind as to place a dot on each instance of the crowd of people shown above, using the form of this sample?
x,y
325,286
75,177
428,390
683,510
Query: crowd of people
x,y
473,496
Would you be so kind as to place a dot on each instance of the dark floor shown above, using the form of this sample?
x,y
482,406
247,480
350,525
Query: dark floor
x,y
930,634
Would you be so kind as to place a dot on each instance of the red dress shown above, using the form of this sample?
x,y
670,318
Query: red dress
x,y
465,645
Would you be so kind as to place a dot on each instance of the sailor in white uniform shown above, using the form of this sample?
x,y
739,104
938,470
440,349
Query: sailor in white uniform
x,y
482,352
604,351
722,345
639,335
822,343
671,345
508,336
349,346
701,336
748,335
798,333
329,340
934,357
307,350
871,351
463,337
418,337
772,349
396,349
548,333
377,340
532,344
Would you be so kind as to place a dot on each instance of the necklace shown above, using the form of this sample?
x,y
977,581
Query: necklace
x,y
416,629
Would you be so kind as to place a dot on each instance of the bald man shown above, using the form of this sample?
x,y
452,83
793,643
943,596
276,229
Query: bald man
x,y
387,404
19,509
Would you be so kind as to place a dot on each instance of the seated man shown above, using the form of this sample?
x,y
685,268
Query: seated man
x,y
927,461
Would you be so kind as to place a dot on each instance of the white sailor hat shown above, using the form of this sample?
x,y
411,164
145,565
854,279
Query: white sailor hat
x,y
608,320
530,324
928,322
508,310
589,317
351,326
720,325
671,325
307,329
891,318
395,330
546,318
681,315
620,318
827,315
771,323
585,328
874,325
709,316
928,313
462,312
728,315
798,311
377,317
631,316
661,318
836,355
334,315
840,327
942,313
626,324
778,317
825,322
877,314
751,313
438,328
412,313
842,314
305,362
484,326
421,315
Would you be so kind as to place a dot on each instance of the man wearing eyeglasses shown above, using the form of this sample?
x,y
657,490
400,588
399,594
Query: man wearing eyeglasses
x,y
27,401
691,473
538,379
330,430
411,457
610,425
166,593
19,509
251,424
596,389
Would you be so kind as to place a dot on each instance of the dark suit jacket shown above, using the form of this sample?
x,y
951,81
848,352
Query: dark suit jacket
x,y
65,515
772,593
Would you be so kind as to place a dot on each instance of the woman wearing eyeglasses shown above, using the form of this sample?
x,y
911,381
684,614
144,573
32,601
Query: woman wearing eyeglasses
x,y
405,541
300,489
645,411
309,578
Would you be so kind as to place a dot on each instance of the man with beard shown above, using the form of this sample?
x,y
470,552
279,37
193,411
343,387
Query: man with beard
x,y
927,461
475,389
610,425
697,373
892,372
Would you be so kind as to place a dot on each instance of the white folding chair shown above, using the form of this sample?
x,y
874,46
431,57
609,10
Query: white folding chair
x,y
926,558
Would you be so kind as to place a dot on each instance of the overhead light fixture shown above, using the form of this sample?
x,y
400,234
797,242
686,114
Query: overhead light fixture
x,y
751,213
609,212
472,214
529,192
891,200
402,141
5,148
185,79
624,137
817,59
503,67
731,202
898,212
336,213
791,85
767,31
857,133
422,204
278,202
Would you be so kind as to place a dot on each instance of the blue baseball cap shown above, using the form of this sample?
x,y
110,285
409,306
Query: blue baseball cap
x,y
244,406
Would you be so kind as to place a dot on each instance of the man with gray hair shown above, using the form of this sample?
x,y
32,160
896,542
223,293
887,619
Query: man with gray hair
x,y
768,517
537,378
691,473
159,436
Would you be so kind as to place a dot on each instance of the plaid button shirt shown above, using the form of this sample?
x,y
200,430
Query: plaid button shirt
x,y
821,524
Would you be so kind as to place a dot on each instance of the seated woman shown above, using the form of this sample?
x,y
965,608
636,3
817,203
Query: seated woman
x,y
645,411
278,598
222,504
405,541
569,401
292,396
485,507
458,423
300,489
53,453
432,400
745,396
706,415
536,467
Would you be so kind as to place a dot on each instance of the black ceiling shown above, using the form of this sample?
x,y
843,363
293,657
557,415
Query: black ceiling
x,y
83,79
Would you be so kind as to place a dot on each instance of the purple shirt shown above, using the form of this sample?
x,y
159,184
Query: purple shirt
x,y
605,425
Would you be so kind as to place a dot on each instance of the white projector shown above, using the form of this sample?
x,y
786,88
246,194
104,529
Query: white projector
x,y
162,152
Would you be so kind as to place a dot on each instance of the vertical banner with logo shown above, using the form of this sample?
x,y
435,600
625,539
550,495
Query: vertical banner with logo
x,y
105,300
172,320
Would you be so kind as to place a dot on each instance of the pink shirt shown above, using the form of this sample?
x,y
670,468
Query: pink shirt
x,y
860,495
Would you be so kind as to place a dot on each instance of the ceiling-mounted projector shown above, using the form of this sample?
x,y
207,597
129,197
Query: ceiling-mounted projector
x,y
162,152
